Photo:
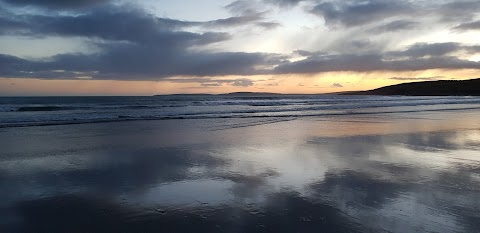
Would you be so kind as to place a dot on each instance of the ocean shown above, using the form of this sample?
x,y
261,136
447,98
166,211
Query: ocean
x,y
240,163
37,111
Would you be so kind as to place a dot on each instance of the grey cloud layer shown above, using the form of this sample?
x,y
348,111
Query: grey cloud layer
x,y
284,3
136,45
56,4
398,25
353,13
438,49
468,26
114,23
137,62
210,82
357,13
417,57
253,18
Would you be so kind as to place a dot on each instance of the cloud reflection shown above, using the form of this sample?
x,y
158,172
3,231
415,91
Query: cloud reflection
x,y
405,182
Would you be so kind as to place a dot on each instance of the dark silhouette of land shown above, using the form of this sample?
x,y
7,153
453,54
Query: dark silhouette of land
x,y
428,88
233,94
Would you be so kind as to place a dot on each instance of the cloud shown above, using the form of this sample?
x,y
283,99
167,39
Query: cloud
x,y
423,49
141,47
307,53
468,26
271,84
358,13
137,62
242,7
10,26
103,23
354,13
211,84
134,44
268,25
397,25
56,4
146,62
418,78
371,62
245,13
252,19
348,44
284,3
136,26
337,85
235,21
419,50
214,82
243,82
458,10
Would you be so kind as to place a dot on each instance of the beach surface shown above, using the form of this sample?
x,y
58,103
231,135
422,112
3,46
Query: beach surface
x,y
390,171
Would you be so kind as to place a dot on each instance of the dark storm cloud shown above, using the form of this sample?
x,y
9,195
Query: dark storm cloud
x,y
468,26
354,13
56,4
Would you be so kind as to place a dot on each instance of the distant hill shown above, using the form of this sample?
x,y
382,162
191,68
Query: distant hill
x,y
240,94
428,88
250,94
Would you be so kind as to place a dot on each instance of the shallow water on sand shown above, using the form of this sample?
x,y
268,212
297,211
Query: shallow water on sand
x,y
398,172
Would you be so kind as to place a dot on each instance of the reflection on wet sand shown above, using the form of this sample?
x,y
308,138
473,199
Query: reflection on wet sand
x,y
379,173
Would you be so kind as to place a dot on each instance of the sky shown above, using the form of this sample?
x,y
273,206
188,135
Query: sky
x,y
145,47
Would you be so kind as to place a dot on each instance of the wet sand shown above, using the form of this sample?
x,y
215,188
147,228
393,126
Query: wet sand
x,y
374,173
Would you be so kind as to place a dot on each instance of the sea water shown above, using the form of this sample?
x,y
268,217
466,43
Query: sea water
x,y
31,111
